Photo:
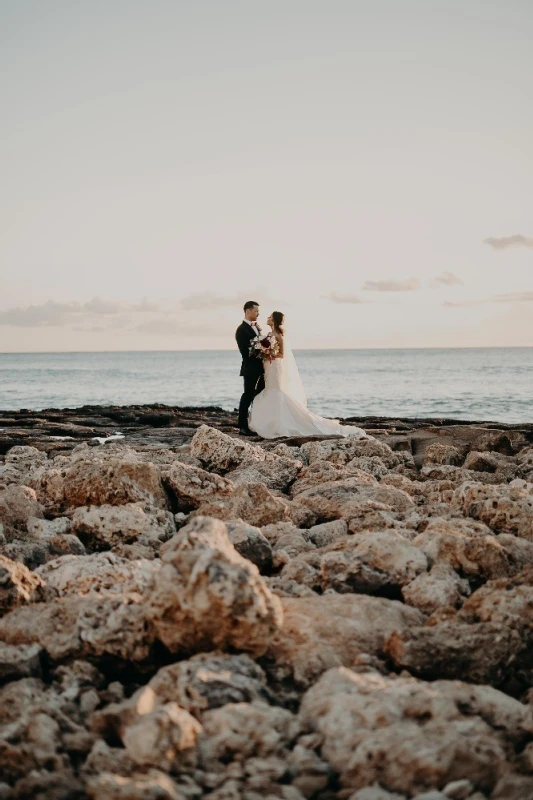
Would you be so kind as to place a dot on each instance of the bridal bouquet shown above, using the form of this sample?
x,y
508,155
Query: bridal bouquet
x,y
265,347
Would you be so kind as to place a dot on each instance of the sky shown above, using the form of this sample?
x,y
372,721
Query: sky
x,y
364,166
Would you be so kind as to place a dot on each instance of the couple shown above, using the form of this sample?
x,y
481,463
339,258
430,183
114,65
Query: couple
x,y
272,385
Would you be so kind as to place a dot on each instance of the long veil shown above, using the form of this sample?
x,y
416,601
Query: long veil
x,y
291,383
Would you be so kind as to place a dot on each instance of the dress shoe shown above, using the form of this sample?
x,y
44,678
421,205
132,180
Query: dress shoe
x,y
245,432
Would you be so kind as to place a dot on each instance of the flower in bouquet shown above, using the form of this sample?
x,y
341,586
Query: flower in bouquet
x,y
265,347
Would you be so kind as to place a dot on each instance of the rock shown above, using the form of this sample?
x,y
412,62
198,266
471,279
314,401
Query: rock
x,y
252,502
106,526
250,543
210,680
333,630
328,532
505,509
17,584
165,738
506,603
150,785
375,792
246,462
343,500
25,460
320,472
19,661
48,528
98,477
372,562
481,653
190,486
207,596
341,451
439,587
437,453
17,505
513,787
240,731
89,626
470,552
458,790
410,735
104,573
481,462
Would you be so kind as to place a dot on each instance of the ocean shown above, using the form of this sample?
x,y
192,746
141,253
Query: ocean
x,y
466,384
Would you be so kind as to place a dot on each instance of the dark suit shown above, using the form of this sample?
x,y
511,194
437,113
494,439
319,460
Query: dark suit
x,y
251,370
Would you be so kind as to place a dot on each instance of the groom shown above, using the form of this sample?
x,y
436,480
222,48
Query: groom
x,y
252,367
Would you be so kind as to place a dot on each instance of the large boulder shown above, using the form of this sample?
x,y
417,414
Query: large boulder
x,y
439,587
505,509
250,543
101,572
190,486
106,526
413,736
320,632
372,562
17,584
94,476
245,462
17,505
207,596
251,502
343,500
320,472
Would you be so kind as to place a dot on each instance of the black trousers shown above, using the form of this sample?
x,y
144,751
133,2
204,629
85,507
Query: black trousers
x,y
253,384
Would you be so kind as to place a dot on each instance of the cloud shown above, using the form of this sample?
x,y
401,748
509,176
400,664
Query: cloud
x,y
410,285
52,314
503,242
445,279
515,297
350,299
210,301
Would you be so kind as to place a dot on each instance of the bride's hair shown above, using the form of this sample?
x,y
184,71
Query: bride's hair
x,y
278,319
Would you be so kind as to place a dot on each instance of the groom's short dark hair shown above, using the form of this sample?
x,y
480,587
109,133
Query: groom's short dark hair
x,y
250,304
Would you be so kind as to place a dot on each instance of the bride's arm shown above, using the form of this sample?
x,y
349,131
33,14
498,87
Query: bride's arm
x,y
279,338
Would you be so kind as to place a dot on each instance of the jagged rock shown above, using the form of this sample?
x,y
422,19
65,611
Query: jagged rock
x,y
47,528
89,626
250,543
25,460
439,587
437,453
165,738
17,584
481,462
102,572
506,603
341,451
372,562
150,785
412,736
505,509
471,551
513,787
17,505
240,731
327,532
106,526
207,596
343,500
320,472
191,486
210,680
246,462
98,477
321,632
19,661
456,475
481,653
375,792
251,502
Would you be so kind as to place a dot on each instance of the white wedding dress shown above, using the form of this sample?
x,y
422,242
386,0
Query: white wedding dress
x,y
281,408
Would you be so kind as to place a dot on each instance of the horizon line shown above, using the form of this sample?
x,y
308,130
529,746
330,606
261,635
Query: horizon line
x,y
296,349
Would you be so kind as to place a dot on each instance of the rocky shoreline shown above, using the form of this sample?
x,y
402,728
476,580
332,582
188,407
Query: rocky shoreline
x,y
187,613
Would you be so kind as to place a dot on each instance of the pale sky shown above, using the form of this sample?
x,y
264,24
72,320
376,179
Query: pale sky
x,y
365,166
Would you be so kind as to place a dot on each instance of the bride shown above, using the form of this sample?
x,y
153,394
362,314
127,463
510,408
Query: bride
x,y
281,408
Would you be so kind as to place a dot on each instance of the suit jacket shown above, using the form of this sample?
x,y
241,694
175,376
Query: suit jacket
x,y
252,366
